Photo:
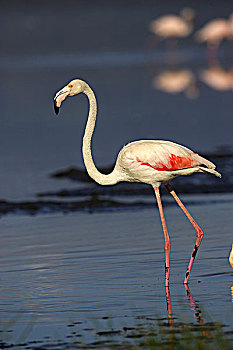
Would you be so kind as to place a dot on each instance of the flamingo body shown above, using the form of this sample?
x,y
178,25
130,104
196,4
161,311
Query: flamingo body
x,y
215,31
170,26
156,162
173,26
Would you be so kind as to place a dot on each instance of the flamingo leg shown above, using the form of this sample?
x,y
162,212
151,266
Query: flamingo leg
x,y
172,51
212,54
167,245
199,232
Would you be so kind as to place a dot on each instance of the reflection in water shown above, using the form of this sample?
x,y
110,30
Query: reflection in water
x,y
205,327
213,33
169,313
169,305
217,78
176,81
193,304
148,333
197,314
232,292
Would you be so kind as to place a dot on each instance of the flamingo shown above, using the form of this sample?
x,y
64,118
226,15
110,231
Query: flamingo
x,y
231,257
172,26
214,32
154,162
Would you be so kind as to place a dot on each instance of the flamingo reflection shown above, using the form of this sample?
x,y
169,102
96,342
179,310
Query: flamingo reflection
x,y
217,78
194,307
176,81
193,304
169,306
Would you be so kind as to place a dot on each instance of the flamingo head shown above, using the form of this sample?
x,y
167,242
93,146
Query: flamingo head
x,y
188,14
75,87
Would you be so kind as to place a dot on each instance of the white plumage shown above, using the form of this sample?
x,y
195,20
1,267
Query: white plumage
x,y
157,162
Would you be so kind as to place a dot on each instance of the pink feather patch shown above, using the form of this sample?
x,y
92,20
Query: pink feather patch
x,y
175,163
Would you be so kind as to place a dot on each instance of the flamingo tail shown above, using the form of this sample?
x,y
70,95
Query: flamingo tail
x,y
209,171
205,165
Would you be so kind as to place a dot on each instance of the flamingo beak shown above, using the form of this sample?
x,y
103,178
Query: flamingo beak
x,y
60,97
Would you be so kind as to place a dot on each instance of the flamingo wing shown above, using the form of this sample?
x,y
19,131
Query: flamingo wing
x,y
162,156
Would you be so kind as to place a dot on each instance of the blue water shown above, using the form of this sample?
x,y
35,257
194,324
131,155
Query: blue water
x,y
79,268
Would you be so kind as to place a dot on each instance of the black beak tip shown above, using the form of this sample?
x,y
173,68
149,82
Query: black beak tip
x,y
56,109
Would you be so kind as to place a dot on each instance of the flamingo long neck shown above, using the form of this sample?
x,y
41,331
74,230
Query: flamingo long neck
x,y
93,172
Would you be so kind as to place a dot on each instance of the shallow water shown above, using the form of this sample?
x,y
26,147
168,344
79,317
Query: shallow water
x,y
80,269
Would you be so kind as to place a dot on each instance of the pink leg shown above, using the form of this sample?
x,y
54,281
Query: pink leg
x,y
199,232
212,55
172,51
167,245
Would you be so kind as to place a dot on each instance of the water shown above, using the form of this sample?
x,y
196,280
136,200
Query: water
x,y
58,270
78,257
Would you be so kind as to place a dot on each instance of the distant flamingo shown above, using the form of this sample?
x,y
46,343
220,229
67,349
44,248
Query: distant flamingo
x,y
152,162
172,26
214,32
231,257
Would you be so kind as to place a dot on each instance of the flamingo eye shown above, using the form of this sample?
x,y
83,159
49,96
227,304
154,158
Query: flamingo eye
x,y
70,86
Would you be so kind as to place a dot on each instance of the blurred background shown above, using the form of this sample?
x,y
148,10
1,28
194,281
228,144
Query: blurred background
x,y
151,82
